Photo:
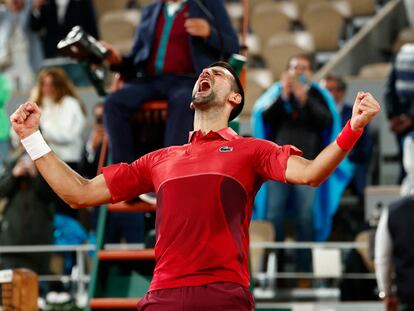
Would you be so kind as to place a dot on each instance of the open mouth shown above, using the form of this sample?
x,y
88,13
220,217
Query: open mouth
x,y
204,86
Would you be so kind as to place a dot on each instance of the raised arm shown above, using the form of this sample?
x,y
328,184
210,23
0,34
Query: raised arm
x,y
70,186
314,172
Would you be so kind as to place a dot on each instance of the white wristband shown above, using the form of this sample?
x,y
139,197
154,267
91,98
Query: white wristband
x,y
35,145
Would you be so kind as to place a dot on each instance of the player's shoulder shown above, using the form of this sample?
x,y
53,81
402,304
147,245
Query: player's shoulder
x,y
165,152
256,142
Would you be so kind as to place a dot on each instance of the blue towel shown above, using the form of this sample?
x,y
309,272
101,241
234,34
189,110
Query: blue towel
x,y
330,192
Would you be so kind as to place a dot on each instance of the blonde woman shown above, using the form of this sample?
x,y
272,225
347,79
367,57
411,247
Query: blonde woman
x,y
63,117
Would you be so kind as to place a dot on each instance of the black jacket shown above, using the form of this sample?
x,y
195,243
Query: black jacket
x,y
78,12
27,220
297,125
401,228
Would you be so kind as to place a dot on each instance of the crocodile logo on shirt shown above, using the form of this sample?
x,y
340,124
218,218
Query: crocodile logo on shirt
x,y
226,149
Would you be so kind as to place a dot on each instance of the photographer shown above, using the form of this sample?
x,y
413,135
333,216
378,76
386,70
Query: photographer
x,y
298,115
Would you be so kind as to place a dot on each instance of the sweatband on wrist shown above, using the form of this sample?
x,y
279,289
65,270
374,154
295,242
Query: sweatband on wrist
x,y
348,137
35,145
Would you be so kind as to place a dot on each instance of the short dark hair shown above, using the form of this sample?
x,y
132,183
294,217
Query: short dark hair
x,y
238,87
340,83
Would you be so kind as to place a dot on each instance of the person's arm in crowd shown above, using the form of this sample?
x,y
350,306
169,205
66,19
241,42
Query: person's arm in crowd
x,y
71,187
383,263
314,172
36,18
220,35
281,108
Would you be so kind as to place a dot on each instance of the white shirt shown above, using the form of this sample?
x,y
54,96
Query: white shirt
x,y
384,267
173,7
61,10
407,185
62,126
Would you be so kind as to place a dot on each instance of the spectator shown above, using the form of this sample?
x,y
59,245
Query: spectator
x,y
399,97
21,53
297,116
28,215
5,92
297,111
63,120
53,19
360,155
174,41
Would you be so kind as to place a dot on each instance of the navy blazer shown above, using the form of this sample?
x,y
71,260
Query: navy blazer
x,y
203,51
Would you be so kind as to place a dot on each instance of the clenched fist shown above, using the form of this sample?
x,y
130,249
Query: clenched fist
x,y
25,120
365,109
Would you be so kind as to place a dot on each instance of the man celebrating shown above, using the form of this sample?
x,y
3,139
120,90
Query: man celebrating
x,y
205,190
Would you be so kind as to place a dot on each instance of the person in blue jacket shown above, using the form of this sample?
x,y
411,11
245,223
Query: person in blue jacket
x,y
174,41
297,111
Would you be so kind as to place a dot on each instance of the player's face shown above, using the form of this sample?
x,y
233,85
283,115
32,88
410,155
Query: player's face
x,y
213,84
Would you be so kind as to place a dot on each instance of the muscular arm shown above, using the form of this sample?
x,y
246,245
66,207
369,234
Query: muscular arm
x,y
315,172
71,187
75,190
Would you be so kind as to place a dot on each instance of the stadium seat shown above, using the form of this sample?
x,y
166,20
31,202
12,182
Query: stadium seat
x,y
302,5
105,6
235,10
343,7
268,19
362,7
281,47
262,261
260,231
325,23
253,91
375,71
144,2
405,36
118,28
254,3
